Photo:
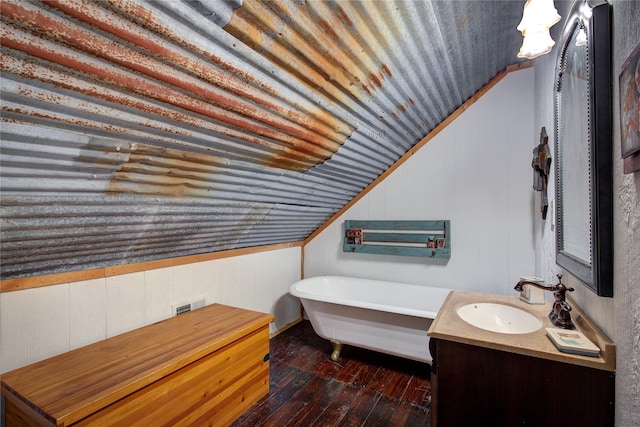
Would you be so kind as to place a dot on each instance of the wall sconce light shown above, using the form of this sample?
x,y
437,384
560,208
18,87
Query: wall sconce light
x,y
538,17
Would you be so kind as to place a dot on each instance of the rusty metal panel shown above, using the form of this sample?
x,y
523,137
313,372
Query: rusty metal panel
x,y
135,130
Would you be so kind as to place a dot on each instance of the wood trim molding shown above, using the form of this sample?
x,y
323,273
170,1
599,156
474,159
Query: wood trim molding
x,y
23,283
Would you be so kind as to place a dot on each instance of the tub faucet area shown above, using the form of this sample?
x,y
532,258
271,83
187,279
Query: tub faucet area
x,y
560,314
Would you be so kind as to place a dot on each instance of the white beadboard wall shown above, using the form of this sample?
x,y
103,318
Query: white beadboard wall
x,y
477,173
42,322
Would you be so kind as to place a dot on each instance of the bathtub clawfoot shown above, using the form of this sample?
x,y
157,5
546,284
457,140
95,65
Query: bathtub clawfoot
x,y
337,348
357,312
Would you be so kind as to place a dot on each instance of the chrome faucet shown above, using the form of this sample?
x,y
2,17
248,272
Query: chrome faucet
x,y
560,314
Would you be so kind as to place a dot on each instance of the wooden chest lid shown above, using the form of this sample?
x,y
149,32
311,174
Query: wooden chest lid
x,y
73,385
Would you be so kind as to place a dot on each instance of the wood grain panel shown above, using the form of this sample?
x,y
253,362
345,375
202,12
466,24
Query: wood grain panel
x,y
201,388
478,386
317,391
18,413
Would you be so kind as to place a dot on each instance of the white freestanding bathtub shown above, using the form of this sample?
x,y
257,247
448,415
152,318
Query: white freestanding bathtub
x,y
388,317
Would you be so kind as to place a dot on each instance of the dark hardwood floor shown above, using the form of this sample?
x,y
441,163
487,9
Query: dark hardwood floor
x,y
364,388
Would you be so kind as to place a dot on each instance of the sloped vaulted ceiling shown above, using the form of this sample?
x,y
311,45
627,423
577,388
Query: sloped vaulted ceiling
x,y
141,130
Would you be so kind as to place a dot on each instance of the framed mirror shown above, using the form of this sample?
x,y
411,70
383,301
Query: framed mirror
x,y
584,205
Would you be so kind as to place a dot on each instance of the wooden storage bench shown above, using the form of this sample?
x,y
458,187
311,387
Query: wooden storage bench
x,y
205,367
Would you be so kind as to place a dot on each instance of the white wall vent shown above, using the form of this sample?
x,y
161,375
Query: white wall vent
x,y
178,309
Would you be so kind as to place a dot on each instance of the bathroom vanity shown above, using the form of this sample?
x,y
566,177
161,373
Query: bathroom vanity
x,y
485,378
205,367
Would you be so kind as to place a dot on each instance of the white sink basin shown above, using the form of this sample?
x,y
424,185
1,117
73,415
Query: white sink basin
x,y
500,318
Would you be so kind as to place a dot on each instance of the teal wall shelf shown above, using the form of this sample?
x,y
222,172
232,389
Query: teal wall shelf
x,y
402,238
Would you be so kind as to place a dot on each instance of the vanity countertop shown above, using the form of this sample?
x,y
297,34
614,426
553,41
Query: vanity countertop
x,y
449,326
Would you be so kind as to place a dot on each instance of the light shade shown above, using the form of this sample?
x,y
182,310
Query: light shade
x,y
537,17
536,44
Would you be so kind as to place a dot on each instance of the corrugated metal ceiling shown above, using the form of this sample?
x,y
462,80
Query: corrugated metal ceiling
x,y
141,130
